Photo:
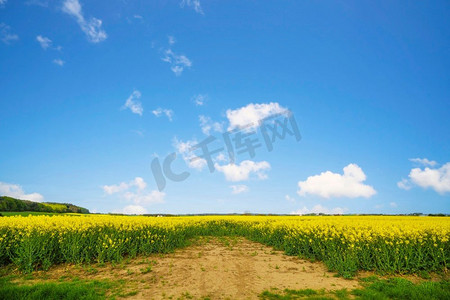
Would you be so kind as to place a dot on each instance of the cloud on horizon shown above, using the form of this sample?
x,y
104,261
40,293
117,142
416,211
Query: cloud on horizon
x,y
135,191
16,191
328,184
437,179
318,209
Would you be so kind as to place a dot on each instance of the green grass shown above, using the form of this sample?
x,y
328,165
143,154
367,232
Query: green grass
x,y
398,288
374,289
288,294
62,290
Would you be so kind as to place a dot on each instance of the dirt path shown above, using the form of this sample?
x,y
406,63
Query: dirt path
x,y
215,268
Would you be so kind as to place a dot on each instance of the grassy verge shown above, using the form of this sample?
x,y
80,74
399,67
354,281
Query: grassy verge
x,y
75,289
53,290
373,288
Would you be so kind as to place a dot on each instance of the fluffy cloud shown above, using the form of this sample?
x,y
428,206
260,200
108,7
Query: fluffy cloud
x,y
242,171
184,148
206,124
5,34
134,104
16,191
249,116
135,191
45,42
200,99
171,40
404,184
59,62
424,161
194,4
437,179
134,210
319,209
238,189
92,27
137,182
329,184
160,111
178,62
145,198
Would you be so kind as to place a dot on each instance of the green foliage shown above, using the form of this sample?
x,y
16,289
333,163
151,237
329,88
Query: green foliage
x,y
74,290
9,204
398,288
394,288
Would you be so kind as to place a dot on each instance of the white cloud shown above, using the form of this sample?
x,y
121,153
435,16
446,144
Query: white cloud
x,y
134,210
404,184
424,161
115,188
138,17
249,116
438,178
207,124
238,189
220,157
3,2
135,191
160,111
184,148
242,171
5,34
133,103
92,27
171,40
137,182
200,99
145,198
195,4
318,209
177,62
45,42
289,198
16,191
393,204
329,184
59,62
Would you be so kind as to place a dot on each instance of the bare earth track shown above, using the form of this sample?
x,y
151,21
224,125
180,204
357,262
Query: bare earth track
x,y
215,268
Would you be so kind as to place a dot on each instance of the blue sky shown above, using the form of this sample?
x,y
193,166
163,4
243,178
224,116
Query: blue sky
x,y
91,92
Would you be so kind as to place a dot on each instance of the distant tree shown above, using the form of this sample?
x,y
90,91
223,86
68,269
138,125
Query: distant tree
x,y
17,205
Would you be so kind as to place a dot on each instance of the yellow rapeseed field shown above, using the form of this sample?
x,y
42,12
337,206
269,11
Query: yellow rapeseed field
x,y
345,243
